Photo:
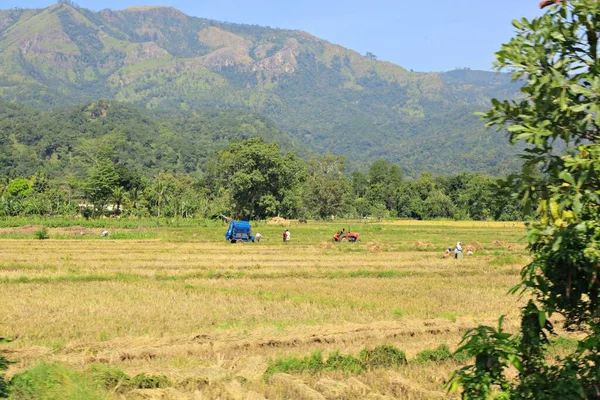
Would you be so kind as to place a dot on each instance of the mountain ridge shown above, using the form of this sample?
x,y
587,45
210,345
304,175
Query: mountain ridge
x,y
326,96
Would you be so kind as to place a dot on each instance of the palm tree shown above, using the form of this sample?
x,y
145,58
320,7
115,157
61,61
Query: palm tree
x,y
118,195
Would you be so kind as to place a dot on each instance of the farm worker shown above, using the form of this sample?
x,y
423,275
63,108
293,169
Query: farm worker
x,y
284,236
457,250
287,235
258,237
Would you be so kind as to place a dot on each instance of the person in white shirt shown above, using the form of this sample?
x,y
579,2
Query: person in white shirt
x,y
458,250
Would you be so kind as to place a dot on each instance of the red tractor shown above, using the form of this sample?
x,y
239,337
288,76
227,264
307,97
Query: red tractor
x,y
343,236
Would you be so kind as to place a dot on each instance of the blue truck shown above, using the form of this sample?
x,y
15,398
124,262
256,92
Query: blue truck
x,y
239,231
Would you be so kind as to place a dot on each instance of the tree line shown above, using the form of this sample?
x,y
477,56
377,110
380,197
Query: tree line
x,y
253,179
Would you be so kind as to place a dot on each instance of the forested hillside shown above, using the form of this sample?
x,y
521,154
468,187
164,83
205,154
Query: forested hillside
x,y
328,98
60,142
107,157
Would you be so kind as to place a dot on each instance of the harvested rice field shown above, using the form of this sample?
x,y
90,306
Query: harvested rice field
x,y
172,311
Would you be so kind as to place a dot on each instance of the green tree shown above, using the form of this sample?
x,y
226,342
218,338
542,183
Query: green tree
x,y
165,193
260,179
19,188
327,191
360,184
370,55
118,196
476,199
40,183
384,182
438,205
101,183
556,56
412,196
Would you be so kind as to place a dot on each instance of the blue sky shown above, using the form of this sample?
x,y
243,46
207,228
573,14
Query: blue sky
x,y
435,35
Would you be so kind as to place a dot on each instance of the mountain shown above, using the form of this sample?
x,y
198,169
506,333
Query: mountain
x,y
328,98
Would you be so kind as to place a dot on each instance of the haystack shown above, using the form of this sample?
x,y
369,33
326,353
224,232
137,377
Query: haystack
x,y
375,247
278,221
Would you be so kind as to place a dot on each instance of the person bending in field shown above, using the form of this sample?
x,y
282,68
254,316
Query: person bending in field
x,y
448,252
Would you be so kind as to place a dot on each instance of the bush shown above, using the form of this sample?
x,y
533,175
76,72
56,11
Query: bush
x,y
42,234
382,356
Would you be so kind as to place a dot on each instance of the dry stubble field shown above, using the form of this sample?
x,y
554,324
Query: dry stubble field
x,y
211,316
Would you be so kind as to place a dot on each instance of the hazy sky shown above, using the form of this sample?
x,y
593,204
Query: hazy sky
x,y
435,35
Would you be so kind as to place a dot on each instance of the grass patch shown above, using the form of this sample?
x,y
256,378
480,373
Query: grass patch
x,y
450,316
118,277
292,364
55,382
384,356
110,378
143,381
73,276
507,259
399,313
441,354
563,344
345,363
25,267
374,274
114,379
